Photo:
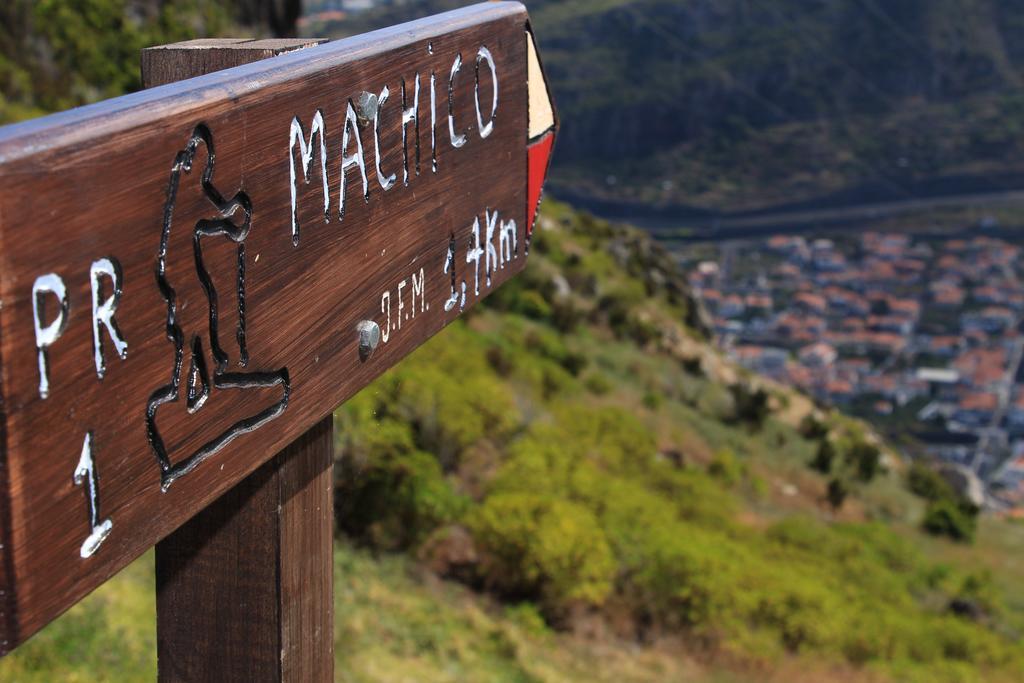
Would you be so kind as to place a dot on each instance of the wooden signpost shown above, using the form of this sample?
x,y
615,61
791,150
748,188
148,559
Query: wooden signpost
x,y
193,277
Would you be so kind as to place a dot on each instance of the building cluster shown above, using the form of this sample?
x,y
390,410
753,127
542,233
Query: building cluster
x,y
923,336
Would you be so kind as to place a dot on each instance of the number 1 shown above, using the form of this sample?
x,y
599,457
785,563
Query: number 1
x,y
85,473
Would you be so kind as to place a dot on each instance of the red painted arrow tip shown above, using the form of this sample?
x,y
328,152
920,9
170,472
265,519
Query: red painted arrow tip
x,y
538,158
541,129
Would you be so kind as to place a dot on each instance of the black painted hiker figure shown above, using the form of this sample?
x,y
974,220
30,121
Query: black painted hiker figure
x,y
207,371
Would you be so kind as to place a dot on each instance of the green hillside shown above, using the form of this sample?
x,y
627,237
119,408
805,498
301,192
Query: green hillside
x,y
577,448
570,485
56,54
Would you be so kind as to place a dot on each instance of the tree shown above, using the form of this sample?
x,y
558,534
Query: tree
x,y
837,492
866,459
824,456
280,16
58,54
946,518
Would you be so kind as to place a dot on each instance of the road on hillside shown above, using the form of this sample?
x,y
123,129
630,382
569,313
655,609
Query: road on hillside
x,y
688,228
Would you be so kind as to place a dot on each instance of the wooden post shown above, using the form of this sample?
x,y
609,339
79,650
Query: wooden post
x,y
244,589
175,62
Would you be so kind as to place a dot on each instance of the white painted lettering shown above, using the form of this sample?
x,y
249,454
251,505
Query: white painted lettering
x,y
385,307
306,152
389,181
103,310
449,269
433,121
473,256
401,305
417,289
351,126
411,115
85,473
483,54
491,259
508,247
457,140
51,283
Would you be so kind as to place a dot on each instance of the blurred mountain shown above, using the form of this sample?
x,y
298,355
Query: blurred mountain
x,y
740,104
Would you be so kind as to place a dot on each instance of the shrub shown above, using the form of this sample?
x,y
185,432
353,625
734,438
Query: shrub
x,y
574,362
541,547
546,344
812,428
717,402
689,576
750,404
978,596
619,308
528,617
598,383
866,459
795,613
947,518
653,399
565,316
697,496
693,365
626,510
451,396
554,381
641,330
548,453
837,492
726,467
824,457
499,359
532,305
948,513
395,500
528,294
928,484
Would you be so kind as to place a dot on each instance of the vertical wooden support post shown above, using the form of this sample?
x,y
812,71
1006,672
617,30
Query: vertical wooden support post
x,y
244,589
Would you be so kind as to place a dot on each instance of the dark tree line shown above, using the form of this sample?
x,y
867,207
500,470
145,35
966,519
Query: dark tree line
x,y
57,54
279,16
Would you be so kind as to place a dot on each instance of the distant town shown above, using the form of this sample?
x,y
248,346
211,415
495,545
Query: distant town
x,y
921,336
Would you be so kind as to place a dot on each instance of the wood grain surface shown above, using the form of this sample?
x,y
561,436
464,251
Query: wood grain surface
x,y
245,588
239,337
243,592
163,64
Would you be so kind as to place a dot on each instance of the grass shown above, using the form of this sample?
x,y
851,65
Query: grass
x,y
394,623
109,636
640,527
719,531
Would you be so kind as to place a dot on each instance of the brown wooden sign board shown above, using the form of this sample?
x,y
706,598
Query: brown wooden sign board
x,y
193,276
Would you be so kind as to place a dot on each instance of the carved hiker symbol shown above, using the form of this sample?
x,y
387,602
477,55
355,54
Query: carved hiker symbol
x,y
231,221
